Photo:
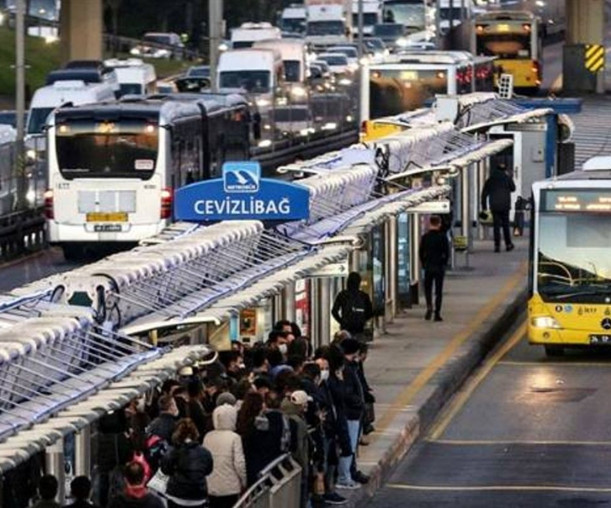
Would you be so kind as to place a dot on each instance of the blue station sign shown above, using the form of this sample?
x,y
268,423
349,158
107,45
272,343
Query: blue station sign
x,y
241,194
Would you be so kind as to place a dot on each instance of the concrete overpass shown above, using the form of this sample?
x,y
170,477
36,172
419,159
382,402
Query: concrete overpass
x,y
81,29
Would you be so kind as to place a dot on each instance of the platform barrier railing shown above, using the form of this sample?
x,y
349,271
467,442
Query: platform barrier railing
x,y
278,486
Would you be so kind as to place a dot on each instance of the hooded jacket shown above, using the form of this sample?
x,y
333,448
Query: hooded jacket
x,y
228,475
498,189
352,307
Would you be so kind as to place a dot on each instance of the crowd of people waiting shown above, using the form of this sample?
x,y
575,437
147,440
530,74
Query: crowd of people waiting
x,y
203,439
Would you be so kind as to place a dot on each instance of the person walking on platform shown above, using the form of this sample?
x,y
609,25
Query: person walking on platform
x,y
497,190
352,307
434,254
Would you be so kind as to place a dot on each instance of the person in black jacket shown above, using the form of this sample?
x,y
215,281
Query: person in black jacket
x,y
497,190
354,401
164,425
352,307
337,391
434,254
187,464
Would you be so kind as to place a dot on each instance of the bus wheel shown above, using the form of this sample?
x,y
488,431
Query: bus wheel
x,y
554,351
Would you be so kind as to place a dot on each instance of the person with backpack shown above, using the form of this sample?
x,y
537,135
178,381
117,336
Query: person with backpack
x,y
352,307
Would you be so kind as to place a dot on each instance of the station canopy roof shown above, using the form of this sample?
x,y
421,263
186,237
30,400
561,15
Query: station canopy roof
x,y
63,365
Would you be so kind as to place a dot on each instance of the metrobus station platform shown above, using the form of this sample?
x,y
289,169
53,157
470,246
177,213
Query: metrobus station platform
x,y
417,366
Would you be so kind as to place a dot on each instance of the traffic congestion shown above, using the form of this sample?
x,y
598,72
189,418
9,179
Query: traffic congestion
x,y
310,253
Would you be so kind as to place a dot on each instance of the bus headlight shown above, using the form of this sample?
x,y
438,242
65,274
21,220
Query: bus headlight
x,y
402,42
545,322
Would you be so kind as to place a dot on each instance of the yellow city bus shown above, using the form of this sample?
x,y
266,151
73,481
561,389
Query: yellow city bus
x,y
570,272
514,38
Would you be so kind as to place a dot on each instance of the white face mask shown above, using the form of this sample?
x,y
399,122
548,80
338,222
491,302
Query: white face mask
x,y
324,375
283,348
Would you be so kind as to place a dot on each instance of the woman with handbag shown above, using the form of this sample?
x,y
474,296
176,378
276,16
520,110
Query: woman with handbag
x,y
187,464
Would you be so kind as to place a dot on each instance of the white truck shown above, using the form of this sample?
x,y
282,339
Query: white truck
x,y
372,15
248,33
293,18
135,77
328,22
294,57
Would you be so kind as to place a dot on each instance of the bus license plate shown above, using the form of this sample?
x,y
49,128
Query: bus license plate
x,y
107,228
107,217
600,339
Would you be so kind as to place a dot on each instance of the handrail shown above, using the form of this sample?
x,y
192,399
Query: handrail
x,y
279,485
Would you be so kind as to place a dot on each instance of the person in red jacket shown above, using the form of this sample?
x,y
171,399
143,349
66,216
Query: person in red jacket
x,y
135,495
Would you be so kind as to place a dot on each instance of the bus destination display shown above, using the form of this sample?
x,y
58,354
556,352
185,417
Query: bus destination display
x,y
576,200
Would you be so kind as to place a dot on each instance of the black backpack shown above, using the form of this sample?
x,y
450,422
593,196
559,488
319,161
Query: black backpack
x,y
354,311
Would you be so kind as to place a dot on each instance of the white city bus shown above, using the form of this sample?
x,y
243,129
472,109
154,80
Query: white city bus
x,y
113,168
405,82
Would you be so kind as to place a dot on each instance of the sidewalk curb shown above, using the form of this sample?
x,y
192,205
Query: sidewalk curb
x,y
440,389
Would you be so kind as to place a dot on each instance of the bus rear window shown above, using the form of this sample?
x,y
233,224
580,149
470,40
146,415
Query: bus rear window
x,y
122,148
395,91
510,46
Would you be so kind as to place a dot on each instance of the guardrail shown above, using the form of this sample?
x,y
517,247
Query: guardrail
x,y
21,233
285,152
279,486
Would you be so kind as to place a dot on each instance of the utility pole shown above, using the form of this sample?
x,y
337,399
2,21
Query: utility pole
x,y
215,31
360,74
361,22
20,97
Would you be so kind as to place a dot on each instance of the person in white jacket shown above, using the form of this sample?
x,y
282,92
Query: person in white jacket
x,y
228,477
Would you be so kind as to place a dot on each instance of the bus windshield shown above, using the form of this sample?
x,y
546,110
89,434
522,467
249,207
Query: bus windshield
x,y
251,81
405,12
325,28
514,46
395,91
573,262
124,148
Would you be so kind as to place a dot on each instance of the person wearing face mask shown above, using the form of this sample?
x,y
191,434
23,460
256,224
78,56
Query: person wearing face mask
x,y
278,339
354,400
337,389
331,430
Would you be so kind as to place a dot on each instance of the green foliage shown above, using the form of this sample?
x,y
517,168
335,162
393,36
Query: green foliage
x,y
40,57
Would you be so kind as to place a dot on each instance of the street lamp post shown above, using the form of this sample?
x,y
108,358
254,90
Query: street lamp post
x,y
20,97
215,25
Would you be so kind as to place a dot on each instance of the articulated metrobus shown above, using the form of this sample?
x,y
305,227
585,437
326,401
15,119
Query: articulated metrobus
x,y
514,38
113,167
570,273
406,82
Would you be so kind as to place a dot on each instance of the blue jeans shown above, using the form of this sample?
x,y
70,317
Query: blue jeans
x,y
345,462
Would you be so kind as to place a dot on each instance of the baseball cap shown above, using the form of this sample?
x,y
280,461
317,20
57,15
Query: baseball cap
x,y
300,398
